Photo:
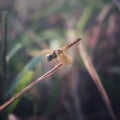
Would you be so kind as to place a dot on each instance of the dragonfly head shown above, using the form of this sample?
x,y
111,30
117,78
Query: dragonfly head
x,y
49,57
52,56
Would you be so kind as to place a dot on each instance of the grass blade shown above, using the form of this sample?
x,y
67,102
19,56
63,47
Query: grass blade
x,y
88,63
29,66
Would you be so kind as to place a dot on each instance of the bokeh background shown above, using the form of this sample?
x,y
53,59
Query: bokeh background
x,y
69,94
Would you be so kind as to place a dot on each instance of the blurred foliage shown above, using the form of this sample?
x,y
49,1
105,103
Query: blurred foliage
x,y
23,82
70,94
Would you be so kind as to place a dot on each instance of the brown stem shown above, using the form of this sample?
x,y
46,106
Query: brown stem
x,y
50,72
89,65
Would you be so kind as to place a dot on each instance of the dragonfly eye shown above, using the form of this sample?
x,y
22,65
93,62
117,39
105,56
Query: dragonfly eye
x,y
49,57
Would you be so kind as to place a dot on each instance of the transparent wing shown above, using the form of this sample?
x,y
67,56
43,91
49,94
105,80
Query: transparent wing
x,y
38,53
64,48
65,59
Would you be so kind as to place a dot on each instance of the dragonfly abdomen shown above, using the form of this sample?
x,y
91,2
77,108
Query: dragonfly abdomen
x,y
76,41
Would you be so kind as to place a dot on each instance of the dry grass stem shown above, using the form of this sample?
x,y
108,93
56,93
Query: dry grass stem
x,y
96,79
49,73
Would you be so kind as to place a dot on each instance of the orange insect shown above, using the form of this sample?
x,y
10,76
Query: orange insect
x,y
58,54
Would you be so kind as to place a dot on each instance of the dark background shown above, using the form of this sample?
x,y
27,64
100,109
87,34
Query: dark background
x,y
70,94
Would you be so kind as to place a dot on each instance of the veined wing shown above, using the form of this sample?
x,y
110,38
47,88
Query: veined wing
x,y
64,48
43,52
65,59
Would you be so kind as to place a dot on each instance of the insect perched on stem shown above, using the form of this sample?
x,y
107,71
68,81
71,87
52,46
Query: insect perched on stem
x,y
58,54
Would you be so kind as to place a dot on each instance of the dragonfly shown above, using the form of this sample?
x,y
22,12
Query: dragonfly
x,y
58,55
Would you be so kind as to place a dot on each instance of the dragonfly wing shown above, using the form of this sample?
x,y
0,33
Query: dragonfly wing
x,y
43,52
65,59
64,48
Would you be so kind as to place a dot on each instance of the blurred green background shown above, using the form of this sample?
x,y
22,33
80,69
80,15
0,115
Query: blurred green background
x,y
70,94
